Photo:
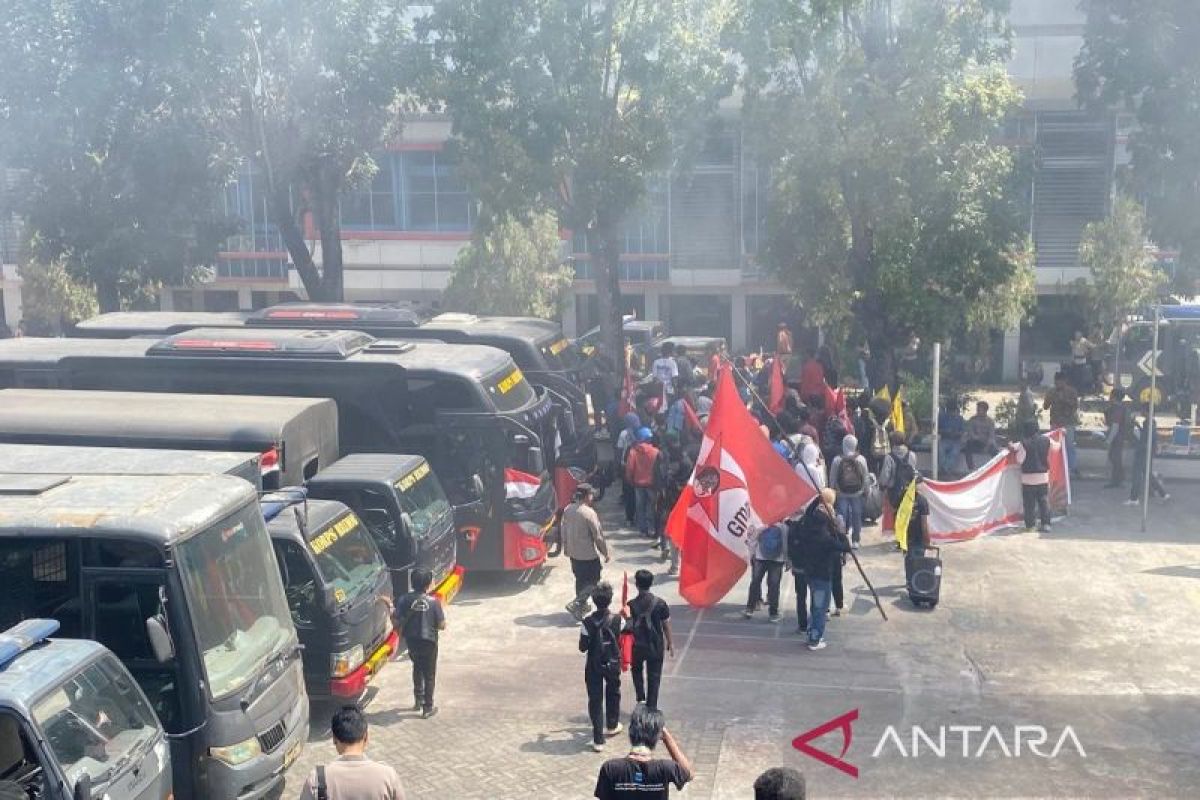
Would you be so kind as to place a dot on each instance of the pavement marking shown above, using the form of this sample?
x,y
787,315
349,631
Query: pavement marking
x,y
687,645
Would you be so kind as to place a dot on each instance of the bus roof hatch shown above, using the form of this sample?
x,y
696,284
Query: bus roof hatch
x,y
388,315
278,343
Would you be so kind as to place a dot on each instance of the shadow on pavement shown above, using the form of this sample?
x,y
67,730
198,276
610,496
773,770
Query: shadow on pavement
x,y
480,586
1181,571
562,742
558,619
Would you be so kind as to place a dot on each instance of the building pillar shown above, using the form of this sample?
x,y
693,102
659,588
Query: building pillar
x,y
166,299
652,311
738,322
245,298
1011,363
570,322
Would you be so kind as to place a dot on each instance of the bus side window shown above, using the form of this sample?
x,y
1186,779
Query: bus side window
x,y
300,585
21,773
120,612
39,581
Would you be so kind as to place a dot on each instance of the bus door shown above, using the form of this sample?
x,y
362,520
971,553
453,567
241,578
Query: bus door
x,y
470,445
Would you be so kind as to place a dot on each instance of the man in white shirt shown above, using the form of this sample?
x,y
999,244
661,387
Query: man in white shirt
x,y
666,370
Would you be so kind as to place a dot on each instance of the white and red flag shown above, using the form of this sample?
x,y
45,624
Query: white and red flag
x,y
739,485
628,401
778,393
520,485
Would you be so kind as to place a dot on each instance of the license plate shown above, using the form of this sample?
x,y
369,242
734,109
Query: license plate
x,y
292,754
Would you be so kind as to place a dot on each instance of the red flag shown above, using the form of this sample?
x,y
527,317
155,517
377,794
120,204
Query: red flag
x,y
628,402
740,483
689,414
778,390
839,408
626,640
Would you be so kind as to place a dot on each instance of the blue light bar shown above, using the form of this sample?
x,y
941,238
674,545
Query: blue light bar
x,y
275,502
24,635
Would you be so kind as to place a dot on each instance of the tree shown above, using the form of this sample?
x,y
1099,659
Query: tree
x,y
1141,56
97,110
514,268
571,104
52,300
892,201
308,90
1124,275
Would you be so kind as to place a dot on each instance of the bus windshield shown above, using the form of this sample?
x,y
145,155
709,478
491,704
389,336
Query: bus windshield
x,y
560,353
347,558
235,599
509,390
422,498
95,721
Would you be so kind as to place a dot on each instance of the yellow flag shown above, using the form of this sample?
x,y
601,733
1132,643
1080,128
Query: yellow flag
x,y
898,412
904,514
884,393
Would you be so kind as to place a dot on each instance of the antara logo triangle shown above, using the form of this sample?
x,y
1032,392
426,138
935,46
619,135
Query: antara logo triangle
x,y
843,723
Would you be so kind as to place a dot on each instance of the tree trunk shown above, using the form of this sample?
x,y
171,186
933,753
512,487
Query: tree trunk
x,y
606,269
297,247
108,295
329,229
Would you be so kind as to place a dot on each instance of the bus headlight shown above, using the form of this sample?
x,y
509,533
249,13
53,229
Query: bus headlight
x,y
239,753
343,663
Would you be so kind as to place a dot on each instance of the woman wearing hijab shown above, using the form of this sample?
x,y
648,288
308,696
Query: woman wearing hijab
x,y
810,468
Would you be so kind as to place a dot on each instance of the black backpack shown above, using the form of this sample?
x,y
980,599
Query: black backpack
x,y
851,477
646,635
607,649
902,476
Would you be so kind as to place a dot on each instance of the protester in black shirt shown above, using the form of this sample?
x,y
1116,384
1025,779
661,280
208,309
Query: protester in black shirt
x,y
600,640
639,776
418,616
650,620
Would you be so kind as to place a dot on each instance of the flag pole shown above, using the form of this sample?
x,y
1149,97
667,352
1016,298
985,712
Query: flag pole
x,y
750,385
1149,428
935,452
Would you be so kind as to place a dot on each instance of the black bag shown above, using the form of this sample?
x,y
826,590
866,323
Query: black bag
x,y
647,638
903,474
322,786
608,655
851,477
923,576
872,500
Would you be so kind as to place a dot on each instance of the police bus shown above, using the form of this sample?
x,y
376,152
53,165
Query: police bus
x,y
468,409
176,576
547,359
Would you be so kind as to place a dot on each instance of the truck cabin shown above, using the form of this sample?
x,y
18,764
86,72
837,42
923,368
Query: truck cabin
x,y
402,504
176,576
293,436
73,723
337,588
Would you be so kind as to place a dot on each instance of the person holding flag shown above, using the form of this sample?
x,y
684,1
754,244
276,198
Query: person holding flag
x,y
816,543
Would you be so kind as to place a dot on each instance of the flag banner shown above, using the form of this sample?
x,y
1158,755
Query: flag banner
x,y
989,499
628,395
520,485
778,390
904,514
898,411
739,485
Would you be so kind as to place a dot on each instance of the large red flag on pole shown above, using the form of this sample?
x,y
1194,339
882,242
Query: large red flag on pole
x,y
778,390
740,483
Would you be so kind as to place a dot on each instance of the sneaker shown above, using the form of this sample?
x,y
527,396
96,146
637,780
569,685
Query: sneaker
x,y
1133,502
854,545
1044,529
417,706
429,712
1166,497
837,612
672,572
817,645
614,731
774,618
747,613
598,747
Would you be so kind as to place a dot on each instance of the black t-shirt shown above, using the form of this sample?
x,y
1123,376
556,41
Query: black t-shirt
x,y
425,619
916,531
647,613
622,778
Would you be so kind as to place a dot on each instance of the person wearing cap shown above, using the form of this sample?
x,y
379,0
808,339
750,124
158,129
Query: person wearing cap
x,y
815,545
584,543
642,471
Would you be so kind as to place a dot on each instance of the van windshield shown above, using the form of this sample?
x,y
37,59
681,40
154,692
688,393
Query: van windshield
x,y
347,558
96,721
235,598
509,390
422,498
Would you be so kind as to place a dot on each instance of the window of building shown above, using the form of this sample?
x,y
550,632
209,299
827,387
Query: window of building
x,y
418,190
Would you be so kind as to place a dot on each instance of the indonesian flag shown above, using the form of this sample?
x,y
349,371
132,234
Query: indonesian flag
x,y
740,484
628,395
778,391
520,485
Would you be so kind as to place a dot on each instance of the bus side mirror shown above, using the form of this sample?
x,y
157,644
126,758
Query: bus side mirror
x,y
83,787
160,639
536,461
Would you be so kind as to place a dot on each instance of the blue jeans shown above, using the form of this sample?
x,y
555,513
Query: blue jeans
x,y
948,453
646,509
821,590
1069,441
850,508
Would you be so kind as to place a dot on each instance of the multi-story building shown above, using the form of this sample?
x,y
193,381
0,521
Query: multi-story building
x,y
688,251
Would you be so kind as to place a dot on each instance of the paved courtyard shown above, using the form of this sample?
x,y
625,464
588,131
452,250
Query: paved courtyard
x,y
1094,626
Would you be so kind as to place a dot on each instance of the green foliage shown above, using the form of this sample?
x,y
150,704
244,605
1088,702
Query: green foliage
x,y
52,300
1124,276
307,89
515,268
1141,56
570,104
892,200
98,108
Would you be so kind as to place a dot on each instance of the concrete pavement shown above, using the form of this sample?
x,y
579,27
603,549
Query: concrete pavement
x,y
1092,626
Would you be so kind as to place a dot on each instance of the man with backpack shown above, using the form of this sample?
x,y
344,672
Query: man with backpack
x,y
871,435
898,471
352,776
600,641
832,434
420,619
1033,454
642,470
848,474
650,619
767,557
815,546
